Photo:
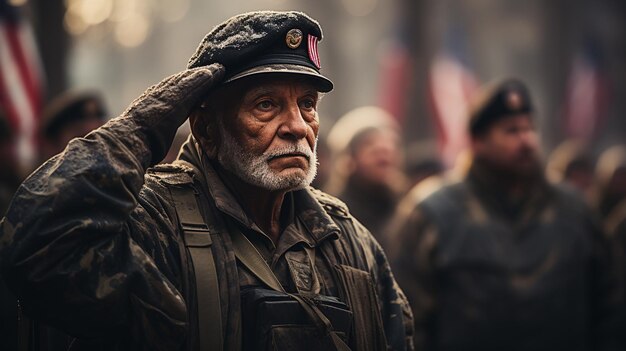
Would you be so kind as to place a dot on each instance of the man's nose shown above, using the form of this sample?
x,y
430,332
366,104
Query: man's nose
x,y
528,136
293,125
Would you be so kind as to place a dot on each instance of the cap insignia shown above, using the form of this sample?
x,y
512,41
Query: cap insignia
x,y
293,38
514,100
313,54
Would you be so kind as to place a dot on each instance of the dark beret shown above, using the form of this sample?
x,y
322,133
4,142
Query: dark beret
x,y
509,97
264,42
70,107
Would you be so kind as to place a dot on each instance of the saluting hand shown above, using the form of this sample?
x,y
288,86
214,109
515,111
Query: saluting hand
x,y
163,107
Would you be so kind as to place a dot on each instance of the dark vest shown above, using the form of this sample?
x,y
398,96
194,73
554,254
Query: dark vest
x,y
227,276
502,286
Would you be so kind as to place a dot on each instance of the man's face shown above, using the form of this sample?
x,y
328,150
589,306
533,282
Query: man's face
x,y
377,157
270,140
511,145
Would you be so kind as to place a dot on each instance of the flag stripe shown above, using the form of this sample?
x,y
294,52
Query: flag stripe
x,y
27,38
451,86
18,104
585,101
313,54
14,36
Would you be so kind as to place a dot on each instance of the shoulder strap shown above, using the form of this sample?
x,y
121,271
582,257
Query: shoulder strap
x,y
252,259
198,240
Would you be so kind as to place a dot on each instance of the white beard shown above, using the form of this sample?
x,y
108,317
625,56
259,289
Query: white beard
x,y
255,169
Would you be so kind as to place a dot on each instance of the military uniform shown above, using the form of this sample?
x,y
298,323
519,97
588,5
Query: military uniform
x,y
93,242
123,262
489,281
486,268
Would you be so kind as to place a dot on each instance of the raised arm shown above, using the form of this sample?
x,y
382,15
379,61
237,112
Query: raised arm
x,y
81,243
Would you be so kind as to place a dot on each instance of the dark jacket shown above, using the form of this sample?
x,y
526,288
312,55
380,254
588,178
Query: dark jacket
x,y
92,245
484,272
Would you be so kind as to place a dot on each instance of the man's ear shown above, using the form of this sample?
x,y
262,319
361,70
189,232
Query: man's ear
x,y
203,123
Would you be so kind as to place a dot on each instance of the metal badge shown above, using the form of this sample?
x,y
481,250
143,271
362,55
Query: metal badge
x,y
514,100
294,38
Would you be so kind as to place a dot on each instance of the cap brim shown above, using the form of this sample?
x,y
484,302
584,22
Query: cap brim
x,y
322,83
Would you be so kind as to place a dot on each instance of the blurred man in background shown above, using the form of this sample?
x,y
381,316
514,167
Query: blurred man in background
x,y
368,177
502,260
571,164
68,116
609,200
610,187
422,162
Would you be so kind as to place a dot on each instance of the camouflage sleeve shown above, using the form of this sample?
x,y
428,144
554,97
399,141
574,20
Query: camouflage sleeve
x,y
411,245
82,248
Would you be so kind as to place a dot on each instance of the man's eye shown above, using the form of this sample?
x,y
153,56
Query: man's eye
x,y
307,104
265,105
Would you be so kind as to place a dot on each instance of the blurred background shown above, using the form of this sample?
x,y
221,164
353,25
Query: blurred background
x,y
405,74
420,60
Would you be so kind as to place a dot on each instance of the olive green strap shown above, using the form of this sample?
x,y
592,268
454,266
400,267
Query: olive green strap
x,y
198,240
322,323
251,258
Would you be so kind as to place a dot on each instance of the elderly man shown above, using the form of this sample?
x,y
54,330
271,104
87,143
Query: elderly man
x,y
502,260
226,248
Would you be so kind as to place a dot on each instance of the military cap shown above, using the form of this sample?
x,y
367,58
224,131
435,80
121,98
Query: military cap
x,y
70,107
264,42
506,98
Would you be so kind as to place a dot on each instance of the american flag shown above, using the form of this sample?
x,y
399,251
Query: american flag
x,y
313,53
396,76
587,93
451,85
21,82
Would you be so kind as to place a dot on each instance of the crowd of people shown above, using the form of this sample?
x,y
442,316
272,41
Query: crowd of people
x,y
509,250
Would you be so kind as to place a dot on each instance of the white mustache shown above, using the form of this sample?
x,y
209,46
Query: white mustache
x,y
297,149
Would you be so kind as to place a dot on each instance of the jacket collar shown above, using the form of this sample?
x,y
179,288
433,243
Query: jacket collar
x,y
306,208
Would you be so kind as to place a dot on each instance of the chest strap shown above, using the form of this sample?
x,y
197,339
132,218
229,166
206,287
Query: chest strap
x,y
252,259
198,241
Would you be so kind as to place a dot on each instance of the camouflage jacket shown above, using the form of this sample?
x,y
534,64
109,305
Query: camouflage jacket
x,y
92,245
484,275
